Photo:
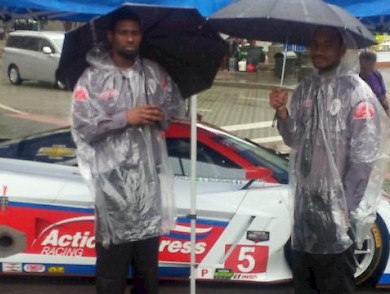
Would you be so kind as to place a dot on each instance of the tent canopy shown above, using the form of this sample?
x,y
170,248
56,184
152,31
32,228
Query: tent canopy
x,y
375,14
84,10
364,8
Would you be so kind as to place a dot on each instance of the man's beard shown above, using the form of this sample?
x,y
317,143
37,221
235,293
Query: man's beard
x,y
128,54
329,68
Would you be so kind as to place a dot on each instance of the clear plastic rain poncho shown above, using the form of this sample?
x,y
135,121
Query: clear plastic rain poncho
x,y
126,167
339,134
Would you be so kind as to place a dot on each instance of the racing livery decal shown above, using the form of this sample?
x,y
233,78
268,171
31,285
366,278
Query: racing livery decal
x,y
69,237
247,258
53,230
56,270
223,273
205,273
69,232
246,277
257,236
12,267
34,268
176,246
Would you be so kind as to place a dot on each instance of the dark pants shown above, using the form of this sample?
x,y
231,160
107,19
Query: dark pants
x,y
324,273
112,267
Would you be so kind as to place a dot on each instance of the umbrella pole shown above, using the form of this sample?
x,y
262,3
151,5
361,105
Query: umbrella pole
x,y
193,109
283,65
275,119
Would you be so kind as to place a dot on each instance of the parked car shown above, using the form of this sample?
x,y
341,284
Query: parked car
x,y
220,154
243,226
32,55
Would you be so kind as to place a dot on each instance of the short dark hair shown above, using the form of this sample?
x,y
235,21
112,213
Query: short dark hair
x,y
339,34
121,15
368,55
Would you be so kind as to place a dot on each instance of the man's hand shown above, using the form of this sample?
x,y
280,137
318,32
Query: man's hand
x,y
144,115
278,101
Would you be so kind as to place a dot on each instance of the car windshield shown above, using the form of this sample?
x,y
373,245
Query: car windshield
x,y
59,42
252,152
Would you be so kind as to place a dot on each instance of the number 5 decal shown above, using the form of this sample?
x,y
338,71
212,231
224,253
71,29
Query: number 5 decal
x,y
247,259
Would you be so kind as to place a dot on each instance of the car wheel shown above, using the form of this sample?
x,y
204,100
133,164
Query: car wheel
x,y
371,259
14,75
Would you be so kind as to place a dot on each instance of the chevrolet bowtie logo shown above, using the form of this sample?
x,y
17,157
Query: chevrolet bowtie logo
x,y
57,152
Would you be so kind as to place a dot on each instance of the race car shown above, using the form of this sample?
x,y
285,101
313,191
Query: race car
x,y
242,231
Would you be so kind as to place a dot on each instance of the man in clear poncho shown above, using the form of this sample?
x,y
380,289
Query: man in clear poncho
x,y
121,105
338,133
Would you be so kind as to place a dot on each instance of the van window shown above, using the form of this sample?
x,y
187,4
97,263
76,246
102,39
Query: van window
x,y
58,42
23,42
14,41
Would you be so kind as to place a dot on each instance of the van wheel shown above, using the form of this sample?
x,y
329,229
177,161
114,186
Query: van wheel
x,y
14,75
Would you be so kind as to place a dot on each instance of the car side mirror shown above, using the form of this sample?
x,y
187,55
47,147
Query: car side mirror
x,y
258,173
47,50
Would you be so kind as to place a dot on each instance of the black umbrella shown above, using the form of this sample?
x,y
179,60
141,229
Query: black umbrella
x,y
291,21
179,39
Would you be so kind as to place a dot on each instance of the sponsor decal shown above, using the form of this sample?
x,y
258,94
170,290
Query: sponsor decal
x,y
56,270
364,110
205,273
223,273
212,180
247,258
81,94
57,152
12,267
34,268
257,236
245,277
176,246
107,95
68,237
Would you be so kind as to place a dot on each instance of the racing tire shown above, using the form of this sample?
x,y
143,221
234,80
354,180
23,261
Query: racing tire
x,y
14,75
371,259
373,256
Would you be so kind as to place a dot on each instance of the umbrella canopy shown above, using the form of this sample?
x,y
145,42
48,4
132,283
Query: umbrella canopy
x,y
179,39
291,21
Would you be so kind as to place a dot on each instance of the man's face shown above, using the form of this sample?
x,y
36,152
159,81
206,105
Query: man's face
x,y
126,39
367,66
326,49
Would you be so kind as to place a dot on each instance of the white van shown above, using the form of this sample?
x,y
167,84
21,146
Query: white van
x,y
32,55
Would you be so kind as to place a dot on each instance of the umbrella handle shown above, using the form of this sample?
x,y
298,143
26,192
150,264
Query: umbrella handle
x,y
93,32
